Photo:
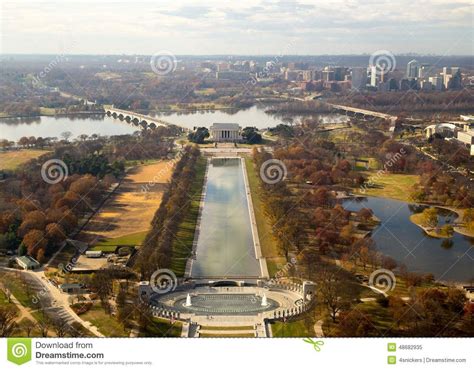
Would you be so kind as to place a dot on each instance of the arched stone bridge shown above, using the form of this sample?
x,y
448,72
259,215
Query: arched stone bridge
x,y
133,118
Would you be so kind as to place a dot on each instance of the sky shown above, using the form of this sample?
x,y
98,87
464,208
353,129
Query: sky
x,y
255,27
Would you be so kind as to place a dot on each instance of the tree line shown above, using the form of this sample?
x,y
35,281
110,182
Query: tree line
x,y
157,251
36,216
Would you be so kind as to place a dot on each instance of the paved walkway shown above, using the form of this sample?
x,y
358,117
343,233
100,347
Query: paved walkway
x,y
318,329
253,224
60,302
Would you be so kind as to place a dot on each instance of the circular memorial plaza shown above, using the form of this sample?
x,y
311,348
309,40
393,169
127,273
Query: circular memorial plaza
x,y
266,302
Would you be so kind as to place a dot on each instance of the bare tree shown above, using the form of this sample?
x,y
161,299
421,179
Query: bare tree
x,y
334,291
28,326
7,321
60,327
66,135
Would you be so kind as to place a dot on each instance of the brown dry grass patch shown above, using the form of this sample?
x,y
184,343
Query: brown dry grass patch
x,y
131,209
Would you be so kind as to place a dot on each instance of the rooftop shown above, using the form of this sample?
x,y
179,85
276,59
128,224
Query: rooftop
x,y
225,126
27,261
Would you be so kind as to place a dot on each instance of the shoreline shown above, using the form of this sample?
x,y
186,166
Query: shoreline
x,y
458,211
460,214
54,115
428,230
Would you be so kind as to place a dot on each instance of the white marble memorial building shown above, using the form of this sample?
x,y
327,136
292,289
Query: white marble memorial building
x,y
225,132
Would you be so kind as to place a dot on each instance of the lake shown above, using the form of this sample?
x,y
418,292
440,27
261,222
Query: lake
x,y
47,126
407,243
225,245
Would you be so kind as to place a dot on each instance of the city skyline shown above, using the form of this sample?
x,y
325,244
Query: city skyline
x,y
255,28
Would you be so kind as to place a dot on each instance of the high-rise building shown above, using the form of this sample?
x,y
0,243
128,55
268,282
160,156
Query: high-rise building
x,y
456,80
307,75
425,71
373,76
452,78
328,74
359,77
297,65
339,73
437,82
412,69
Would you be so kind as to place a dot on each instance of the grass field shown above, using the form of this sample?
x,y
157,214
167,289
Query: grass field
x,y
373,163
11,160
291,329
270,250
224,335
249,327
183,242
207,91
109,245
379,316
107,75
44,111
105,323
4,301
19,289
163,328
125,218
387,185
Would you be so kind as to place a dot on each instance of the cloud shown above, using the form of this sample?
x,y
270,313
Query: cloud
x,y
219,27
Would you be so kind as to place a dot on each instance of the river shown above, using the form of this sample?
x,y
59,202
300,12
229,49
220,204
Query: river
x,y
53,126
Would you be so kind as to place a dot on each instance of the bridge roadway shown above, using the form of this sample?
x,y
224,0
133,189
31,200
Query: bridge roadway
x,y
365,112
136,119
